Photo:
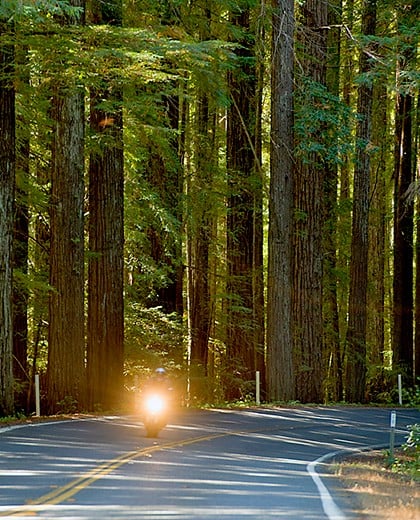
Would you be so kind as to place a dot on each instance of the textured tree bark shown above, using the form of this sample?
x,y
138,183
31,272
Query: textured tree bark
x,y
244,220
332,355
404,176
105,352
356,327
66,338
309,225
199,240
7,179
280,369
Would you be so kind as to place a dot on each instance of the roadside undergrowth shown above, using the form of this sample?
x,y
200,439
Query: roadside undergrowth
x,y
384,489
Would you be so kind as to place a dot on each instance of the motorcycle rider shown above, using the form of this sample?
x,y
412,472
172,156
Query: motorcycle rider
x,y
156,402
159,383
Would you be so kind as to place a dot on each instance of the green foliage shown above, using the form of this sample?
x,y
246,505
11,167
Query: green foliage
x,y
323,124
411,396
30,282
37,11
413,441
67,405
146,215
410,464
393,50
152,339
12,418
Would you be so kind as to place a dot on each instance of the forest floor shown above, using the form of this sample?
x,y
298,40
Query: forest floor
x,y
376,491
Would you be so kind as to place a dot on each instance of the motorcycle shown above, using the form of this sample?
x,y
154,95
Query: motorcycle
x,y
155,412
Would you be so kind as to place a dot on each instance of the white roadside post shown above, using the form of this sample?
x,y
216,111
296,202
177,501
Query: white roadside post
x,y
257,388
399,389
37,396
393,424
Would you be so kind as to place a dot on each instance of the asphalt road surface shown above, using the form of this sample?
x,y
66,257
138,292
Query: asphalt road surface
x,y
220,464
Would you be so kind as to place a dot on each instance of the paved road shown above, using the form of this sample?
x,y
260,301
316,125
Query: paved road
x,y
236,465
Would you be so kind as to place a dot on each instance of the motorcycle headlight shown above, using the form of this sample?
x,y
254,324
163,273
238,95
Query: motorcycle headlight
x,y
155,404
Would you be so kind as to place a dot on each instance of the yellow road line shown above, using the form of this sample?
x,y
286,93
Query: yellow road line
x,y
72,488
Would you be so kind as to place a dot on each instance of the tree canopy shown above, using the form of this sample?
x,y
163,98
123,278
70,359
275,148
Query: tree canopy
x,y
217,188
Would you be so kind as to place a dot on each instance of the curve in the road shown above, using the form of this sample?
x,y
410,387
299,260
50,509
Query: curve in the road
x,y
73,487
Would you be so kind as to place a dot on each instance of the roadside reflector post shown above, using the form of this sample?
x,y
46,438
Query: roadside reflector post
x,y
37,396
257,387
399,389
393,424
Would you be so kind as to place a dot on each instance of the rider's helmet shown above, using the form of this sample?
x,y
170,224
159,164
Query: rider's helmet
x,y
160,372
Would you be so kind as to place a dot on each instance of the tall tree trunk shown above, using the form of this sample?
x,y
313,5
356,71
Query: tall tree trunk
x,y
66,350
244,185
106,240
356,329
308,250
417,303
378,231
199,242
332,352
20,260
200,233
20,291
280,370
344,217
258,231
66,337
402,338
7,179
402,341
171,295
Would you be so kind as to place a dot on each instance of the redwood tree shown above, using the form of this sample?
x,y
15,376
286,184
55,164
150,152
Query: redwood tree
x,y
200,241
357,320
66,338
106,236
309,203
200,229
402,338
7,179
280,371
20,291
244,220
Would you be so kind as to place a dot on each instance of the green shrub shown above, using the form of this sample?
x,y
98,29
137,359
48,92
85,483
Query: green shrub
x,y
67,405
409,464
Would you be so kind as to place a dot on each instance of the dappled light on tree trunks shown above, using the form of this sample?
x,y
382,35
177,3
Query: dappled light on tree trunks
x,y
309,198
357,321
7,180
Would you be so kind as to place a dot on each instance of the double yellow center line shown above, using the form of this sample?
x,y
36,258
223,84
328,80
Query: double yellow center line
x,y
73,487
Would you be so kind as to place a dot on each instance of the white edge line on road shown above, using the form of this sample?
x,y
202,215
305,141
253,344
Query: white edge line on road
x,y
331,509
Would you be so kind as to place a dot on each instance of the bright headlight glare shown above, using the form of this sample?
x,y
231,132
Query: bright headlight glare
x,y
155,403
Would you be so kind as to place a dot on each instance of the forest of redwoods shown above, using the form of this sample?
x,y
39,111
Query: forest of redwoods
x,y
217,187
